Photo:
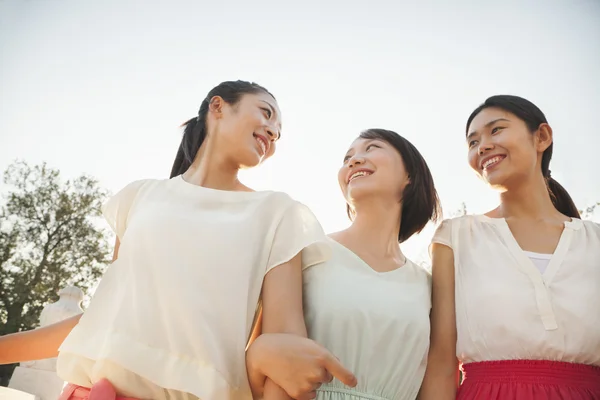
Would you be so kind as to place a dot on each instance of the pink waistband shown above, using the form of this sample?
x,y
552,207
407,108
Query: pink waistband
x,y
534,372
101,390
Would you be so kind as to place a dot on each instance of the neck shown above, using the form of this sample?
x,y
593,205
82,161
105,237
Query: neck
x,y
528,200
211,171
376,228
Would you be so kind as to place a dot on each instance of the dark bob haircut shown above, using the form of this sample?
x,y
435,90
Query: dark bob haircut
x,y
420,201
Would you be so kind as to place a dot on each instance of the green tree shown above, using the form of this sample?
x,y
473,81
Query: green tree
x,y
48,238
588,212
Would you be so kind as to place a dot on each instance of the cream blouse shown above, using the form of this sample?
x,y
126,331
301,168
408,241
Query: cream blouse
x,y
507,309
172,315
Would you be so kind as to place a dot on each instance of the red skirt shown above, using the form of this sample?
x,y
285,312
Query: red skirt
x,y
529,379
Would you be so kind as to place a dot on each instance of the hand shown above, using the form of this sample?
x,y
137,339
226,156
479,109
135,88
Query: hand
x,y
298,365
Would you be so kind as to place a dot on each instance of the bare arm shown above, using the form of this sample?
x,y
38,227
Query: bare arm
x,y
282,299
440,381
35,344
294,362
282,310
39,343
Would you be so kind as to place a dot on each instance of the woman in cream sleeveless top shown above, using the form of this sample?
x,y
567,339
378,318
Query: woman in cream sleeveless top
x,y
375,322
368,304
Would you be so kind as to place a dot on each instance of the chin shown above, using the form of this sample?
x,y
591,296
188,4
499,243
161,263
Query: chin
x,y
250,159
498,180
498,188
249,163
496,184
359,193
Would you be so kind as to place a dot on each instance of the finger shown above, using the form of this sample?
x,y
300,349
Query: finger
x,y
335,368
324,376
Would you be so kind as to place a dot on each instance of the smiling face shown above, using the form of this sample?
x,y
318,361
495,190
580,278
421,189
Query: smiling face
x,y
502,149
372,167
248,130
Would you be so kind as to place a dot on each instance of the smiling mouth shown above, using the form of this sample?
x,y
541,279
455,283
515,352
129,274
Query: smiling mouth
x,y
262,143
492,162
358,174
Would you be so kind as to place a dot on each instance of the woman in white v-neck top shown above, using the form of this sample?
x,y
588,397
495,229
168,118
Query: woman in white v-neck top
x,y
368,304
516,291
172,315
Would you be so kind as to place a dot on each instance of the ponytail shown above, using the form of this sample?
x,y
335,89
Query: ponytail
x,y
193,137
561,199
180,165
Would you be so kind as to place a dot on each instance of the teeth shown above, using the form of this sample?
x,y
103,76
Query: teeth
x,y
491,161
359,173
262,145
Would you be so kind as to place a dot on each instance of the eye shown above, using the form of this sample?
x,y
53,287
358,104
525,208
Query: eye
x,y
472,143
268,112
372,145
497,129
346,159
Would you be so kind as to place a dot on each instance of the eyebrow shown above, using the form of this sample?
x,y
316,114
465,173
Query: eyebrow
x,y
492,122
350,150
368,141
269,104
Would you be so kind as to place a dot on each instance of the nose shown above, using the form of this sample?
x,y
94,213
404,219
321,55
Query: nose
x,y
485,147
273,135
356,160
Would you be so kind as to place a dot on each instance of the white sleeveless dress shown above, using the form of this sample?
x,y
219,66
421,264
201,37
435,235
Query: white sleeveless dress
x,y
377,324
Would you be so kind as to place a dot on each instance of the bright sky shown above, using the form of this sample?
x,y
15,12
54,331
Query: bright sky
x,y
100,87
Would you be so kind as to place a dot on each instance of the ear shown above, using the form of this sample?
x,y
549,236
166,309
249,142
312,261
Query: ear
x,y
543,137
216,106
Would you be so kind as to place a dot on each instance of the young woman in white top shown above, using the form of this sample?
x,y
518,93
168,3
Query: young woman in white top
x,y
516,291
172,315
368,304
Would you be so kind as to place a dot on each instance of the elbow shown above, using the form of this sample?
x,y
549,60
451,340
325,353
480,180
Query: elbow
x,y
439,384
441,379
442,369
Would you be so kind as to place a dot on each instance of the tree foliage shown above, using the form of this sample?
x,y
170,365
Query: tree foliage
x,y
586,213
49,238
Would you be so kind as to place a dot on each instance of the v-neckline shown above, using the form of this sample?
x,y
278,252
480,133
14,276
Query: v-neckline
x,y
540,280
366,264
556,258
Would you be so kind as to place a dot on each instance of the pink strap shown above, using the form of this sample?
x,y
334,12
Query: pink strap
x,y
101,390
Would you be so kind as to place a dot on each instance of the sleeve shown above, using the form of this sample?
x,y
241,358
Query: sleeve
x,y
443,234
298,231
116,210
